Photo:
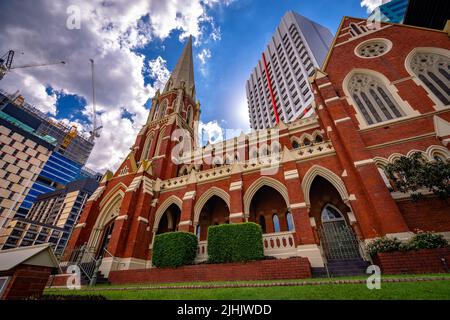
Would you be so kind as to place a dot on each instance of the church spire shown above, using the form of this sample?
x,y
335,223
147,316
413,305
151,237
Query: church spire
x,y
183,74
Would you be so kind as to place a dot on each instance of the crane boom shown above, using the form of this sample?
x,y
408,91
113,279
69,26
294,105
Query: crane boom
x,y
37,65
95,133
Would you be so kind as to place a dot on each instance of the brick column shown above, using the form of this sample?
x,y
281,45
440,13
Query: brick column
x,y
187,211
303,231
373,205
236,201
139,237
119,234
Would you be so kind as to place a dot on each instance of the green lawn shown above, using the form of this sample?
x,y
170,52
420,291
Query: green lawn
x,y
404,290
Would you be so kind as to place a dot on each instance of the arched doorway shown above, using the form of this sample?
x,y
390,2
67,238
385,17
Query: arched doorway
x,y
106,237
268,208
214,212
169,220
337,238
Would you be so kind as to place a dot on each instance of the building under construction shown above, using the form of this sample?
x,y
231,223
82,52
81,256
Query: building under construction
x,y
71,149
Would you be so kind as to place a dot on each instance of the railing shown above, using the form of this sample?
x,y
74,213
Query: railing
x,y
279,244
85,260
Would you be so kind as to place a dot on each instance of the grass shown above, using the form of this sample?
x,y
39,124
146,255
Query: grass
x,y
389,291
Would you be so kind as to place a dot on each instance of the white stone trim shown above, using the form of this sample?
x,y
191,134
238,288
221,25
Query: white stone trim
x,y
363,162
147,185
189,195
142,219
324,85
352,197
122,217
299,205
134,185
185,223
80,225
342,120
97,193
329,129
236,215
291,174
312,222
312,252
331,99
237,185
402,236
351,216
344,173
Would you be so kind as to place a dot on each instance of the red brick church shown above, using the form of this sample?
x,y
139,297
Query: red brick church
x,y
316,185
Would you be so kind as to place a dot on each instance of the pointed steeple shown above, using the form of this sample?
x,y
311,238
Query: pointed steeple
x,y
183,74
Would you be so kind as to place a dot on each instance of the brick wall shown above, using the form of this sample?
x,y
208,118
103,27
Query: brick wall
x,y
429,214
293,268
419,261
26,281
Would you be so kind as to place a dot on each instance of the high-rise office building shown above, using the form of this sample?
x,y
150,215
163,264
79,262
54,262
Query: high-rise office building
x,y
278,88
70,150
51,218
393,11
23,154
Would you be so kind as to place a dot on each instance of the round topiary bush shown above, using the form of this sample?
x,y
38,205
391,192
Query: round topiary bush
x,y
383,244
235,242
174,249
427,240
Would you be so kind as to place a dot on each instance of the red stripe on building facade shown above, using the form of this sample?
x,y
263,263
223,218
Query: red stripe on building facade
x,y
274,105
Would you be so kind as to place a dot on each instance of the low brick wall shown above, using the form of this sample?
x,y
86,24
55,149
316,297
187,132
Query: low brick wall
x,y
25,281
58,280
417,261
293,268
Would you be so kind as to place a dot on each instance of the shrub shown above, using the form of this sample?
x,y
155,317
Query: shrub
x,y
174,249
426,240
235,242
384,244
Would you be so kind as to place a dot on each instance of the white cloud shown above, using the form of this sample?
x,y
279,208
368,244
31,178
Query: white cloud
x,y
210,132
109,32
204,55
157,70
373,4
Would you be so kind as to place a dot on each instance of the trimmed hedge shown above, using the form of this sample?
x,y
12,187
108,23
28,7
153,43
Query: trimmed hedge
x,y
174,249
235,242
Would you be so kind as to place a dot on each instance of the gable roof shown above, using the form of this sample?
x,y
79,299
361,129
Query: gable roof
x,y
38,255
338,33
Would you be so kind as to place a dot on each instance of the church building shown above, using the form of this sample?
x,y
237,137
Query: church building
x,y
316,186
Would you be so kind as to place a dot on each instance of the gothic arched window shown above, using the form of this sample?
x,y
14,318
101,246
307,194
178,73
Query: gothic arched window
x,y
290,221
434,71
262,223
295,144
373,99
356,30
276,223
155,113
163,108
331,214
189,115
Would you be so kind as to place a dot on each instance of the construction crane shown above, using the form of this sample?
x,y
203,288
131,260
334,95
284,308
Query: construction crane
x,y
7,59
95,133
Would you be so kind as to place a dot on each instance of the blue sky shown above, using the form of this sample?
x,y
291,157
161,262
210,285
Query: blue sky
x,y
246,27
135,44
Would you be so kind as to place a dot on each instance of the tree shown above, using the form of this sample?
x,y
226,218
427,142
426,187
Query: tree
x,y
414,174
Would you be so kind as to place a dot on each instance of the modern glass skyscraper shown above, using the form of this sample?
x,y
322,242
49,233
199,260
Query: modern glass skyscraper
x,y
393,11
278,88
